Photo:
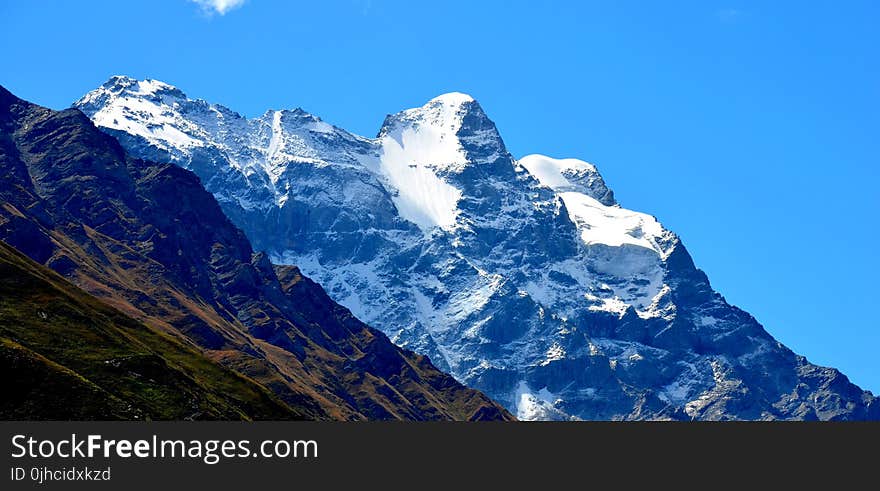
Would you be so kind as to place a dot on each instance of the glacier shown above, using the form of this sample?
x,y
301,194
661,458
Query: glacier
x,y
523,278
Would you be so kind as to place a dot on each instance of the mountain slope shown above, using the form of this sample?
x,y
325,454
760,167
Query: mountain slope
x,y
66,355
148,240
523,278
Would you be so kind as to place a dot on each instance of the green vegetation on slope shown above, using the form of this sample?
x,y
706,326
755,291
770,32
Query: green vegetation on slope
x,y
67,355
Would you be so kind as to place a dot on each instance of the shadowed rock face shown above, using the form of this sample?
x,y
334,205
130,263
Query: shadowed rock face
x,y
148,240
523,278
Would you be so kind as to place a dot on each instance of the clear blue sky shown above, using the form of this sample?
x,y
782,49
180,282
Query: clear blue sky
x,y
749,128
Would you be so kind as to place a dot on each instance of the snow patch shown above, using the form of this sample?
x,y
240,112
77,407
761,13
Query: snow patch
x,y
611,225
551,172
678,391
554,353
276,138
614,304
422,197
537,406
144,118
452,99
150,87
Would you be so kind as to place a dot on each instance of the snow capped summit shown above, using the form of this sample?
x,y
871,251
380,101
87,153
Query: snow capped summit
x,y
524,279
213,140
443,133
452,99
417,145
564,175
120,83
138,107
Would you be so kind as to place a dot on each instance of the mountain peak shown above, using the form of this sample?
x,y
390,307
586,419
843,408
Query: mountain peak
x,y
450,108
444,111
146,108
452,99
564,175
123,84
455,121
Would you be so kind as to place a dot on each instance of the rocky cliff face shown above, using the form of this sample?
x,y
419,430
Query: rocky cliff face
x,y
147,239
523,278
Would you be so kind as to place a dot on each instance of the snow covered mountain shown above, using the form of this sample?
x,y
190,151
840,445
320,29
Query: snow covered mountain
x,y
523,278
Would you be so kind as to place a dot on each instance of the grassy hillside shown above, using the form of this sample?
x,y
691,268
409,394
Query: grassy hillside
x,y
74,357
